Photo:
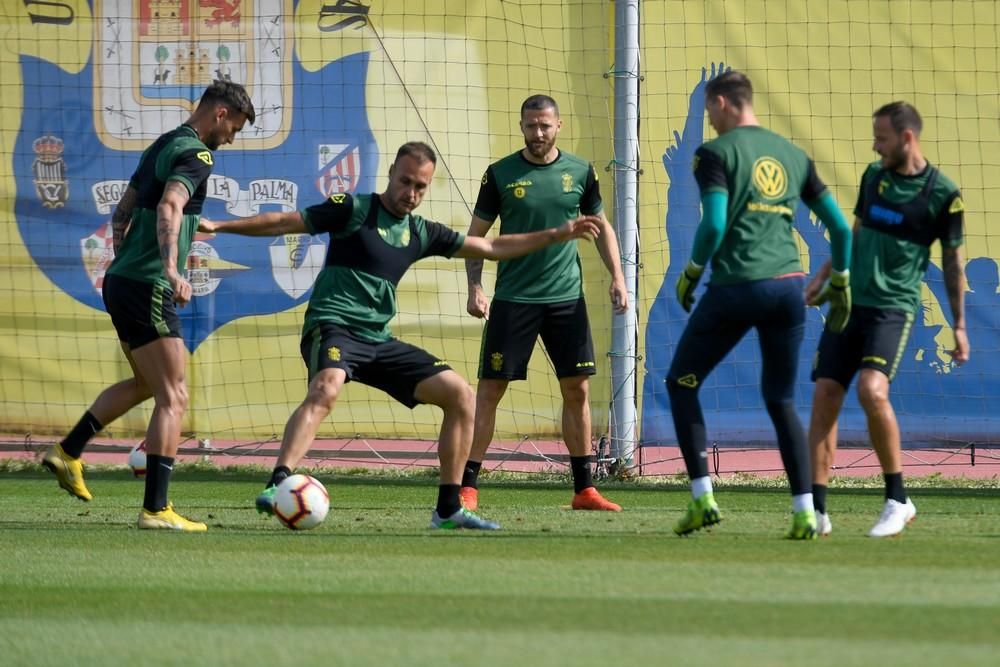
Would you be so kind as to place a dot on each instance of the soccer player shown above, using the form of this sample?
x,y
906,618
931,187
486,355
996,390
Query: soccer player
x,y
751,181
539,187
153,226
904,204
374,238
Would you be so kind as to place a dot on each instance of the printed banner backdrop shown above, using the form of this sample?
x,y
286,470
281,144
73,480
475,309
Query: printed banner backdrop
x,y
338,86
820,70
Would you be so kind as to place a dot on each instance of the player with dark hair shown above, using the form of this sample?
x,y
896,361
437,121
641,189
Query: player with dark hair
x,y
374,239
153,226
904,204
539,187
751,181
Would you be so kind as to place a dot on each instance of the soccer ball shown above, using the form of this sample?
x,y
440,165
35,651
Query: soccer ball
x,y
137,459
301,502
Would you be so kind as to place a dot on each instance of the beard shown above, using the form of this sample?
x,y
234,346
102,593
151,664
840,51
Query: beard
x,y
894,160
539,149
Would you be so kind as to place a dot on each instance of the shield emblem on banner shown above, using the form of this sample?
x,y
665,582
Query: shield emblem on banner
x,y
296,260
97,252
156,57
151,61
339,168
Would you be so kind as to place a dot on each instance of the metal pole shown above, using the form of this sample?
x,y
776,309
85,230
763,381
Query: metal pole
x,y
623,418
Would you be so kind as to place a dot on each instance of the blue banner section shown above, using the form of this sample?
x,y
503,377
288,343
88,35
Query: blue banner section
x,y
68,182
935,400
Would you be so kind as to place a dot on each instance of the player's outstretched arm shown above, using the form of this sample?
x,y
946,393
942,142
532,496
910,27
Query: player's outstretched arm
x,y
510,246
478,305
273,223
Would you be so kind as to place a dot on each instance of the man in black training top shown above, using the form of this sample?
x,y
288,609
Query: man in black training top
x,y
904,205
374,238
153,226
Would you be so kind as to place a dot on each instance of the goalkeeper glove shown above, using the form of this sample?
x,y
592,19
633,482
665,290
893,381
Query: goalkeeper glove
x,y
838,292
686,284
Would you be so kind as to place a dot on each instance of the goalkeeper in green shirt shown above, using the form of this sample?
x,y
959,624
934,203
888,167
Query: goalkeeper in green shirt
x,y
751,181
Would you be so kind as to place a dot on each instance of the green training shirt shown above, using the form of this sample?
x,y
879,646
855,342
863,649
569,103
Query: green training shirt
x,y
530,197
901,216
178,155
764,176
370,250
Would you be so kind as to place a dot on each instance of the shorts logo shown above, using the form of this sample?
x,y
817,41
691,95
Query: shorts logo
x,y
206,157
586,364
769,177
496,361
333,353
874,360
567,183
49,170
440,363
690,381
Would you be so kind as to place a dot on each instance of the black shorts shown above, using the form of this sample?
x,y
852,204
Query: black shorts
x,y
392,366
874,338
141,312
513,328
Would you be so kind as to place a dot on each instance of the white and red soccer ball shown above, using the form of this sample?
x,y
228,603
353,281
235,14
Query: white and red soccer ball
x,y
301,502
137,459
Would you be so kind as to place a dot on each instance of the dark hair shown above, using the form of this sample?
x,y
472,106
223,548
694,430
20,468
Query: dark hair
x,y
417,149
734,86
902,116
539,103
230,94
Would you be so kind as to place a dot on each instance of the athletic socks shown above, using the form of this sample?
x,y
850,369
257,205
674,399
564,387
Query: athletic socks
x,y
278,476
802,502
581,473
894,487
85,429
470,476
158,471
448,502
819,497
700,486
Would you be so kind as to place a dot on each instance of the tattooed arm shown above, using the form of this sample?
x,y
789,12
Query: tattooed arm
x,y
122,217
954,282
168,227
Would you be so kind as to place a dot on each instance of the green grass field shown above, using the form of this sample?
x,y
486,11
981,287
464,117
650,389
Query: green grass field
x,y
371,586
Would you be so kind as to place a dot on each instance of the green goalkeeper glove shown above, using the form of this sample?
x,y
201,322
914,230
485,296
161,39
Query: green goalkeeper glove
x,y
838,292
686,284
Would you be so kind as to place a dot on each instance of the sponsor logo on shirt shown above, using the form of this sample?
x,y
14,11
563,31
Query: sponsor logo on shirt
x,y
769,177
